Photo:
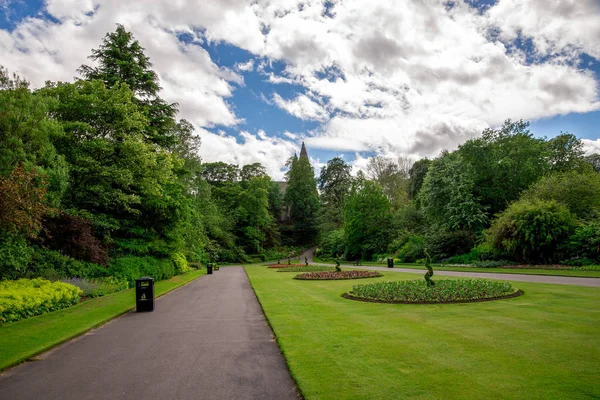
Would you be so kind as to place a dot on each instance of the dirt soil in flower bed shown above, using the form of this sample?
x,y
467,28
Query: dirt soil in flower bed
x,y
335,275
285,265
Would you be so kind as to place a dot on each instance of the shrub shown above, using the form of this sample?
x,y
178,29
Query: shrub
x,y
99,286
15,255
333,243
180,263
442,243
579,192
412,250
53,265
310,268
481,252
531,230
585,242
26,298
131,268
493,263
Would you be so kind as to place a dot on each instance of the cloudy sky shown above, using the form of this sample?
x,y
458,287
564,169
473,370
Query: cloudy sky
x,y
349,77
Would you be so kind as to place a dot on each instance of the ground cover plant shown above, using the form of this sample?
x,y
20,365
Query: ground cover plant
x,y
337,275
310,268
541,345
26,298
23,339
444,291
98,287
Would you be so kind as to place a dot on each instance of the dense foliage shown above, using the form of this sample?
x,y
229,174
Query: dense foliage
x,y
26,298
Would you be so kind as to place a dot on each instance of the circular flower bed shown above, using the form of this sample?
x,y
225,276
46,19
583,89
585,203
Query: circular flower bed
x,y
285,265
334,275
444,291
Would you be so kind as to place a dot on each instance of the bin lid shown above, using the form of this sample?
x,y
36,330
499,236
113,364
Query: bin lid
x,y
145,278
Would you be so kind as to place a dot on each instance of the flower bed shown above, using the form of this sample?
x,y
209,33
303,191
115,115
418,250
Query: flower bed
x,y
26,298
310,268
285,265
444,291
335,275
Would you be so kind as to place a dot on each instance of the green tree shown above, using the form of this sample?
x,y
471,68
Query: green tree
x,y
219,172
302,198
121,59
334,185
253,170
417,174
446,196
367,219
502,163
566,153
392,175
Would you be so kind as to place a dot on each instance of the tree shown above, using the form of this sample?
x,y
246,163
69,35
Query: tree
x,y
121,59
334,184
594,161
367,219
253,170
302,198
566,153
392,175
219,172
447,198
503,163
417,174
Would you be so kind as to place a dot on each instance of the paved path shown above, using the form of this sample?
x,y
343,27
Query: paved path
x,y
559,280
206,340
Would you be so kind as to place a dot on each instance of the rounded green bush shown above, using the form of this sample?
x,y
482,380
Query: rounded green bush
x,y
444,291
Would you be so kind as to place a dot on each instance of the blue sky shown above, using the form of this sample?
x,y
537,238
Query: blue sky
x,y
350,78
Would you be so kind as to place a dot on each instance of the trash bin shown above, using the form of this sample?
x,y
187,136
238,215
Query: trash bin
x,y
209,268
144,294
390,263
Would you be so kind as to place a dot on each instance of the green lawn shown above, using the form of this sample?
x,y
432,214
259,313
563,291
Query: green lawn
x,y
545,344
442,267
21,340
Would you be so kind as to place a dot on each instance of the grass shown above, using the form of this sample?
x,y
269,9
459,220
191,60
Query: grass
x,y
22,340
443,267
545,344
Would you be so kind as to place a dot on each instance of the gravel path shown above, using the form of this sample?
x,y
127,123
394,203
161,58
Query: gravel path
x,y
206,340
558,280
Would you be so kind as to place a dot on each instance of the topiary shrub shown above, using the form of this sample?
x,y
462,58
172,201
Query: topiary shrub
x,y
429,272
532,231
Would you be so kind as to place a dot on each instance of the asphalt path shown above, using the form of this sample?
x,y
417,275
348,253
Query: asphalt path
x,y
558,280
206,340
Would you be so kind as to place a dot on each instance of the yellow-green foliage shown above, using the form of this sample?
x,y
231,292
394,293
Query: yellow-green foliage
x,y
181,264
26,298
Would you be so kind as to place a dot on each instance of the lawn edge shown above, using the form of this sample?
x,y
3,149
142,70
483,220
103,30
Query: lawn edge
x,y
298,390
518,293
50,347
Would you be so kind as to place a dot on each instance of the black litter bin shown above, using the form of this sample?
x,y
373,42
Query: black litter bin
x,y
144,294
390,263
209,268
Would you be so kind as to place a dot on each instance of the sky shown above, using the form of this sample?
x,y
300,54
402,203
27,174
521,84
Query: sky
x,y
351,78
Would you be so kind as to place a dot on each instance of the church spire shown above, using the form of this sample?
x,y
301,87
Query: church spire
x,y
303,153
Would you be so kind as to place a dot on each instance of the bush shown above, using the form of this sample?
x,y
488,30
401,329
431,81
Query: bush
x,y
585,242
531,231
26,298
15,255
333,243
412,250
443,244
180,263
131,268
493,263
481,252
53,265
99,286
579,192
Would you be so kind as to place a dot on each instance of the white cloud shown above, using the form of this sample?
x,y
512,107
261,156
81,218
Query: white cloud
x,y
591,146
413,77
302,107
